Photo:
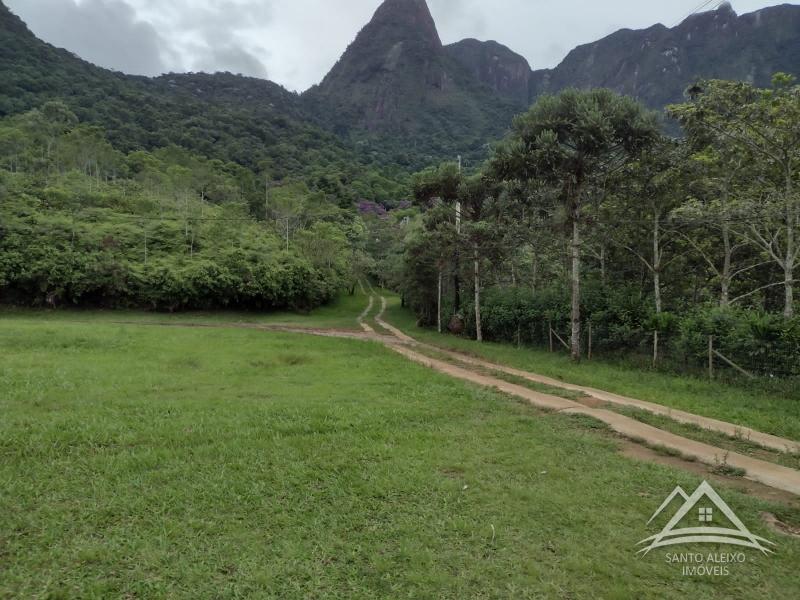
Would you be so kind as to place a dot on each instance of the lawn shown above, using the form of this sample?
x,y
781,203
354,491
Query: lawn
x,y
762,408
340,314
140,461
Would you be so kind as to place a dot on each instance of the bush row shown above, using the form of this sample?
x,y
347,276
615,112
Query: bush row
x,y
54,278
624,321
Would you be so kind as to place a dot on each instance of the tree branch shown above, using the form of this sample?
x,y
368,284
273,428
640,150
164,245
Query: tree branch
x,y
764,287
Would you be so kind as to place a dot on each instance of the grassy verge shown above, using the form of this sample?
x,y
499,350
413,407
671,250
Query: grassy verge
x,y
763,410
521,381
340,314
693,432
687,430
141,461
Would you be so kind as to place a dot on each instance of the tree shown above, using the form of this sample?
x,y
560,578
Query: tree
x,y
653,183
762,125
286,207
443,183
570,141
479,199
713,216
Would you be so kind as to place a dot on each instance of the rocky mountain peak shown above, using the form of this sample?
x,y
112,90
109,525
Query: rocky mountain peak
x,y
493,64
405,20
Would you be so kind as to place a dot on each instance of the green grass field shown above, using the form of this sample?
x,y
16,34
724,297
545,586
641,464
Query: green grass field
x,y
141,461
340,314
763,409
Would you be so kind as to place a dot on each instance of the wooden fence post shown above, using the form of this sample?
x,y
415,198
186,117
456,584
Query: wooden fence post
x,y
734,365
550,330
711,357
589,355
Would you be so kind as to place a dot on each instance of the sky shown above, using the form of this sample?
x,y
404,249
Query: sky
x,y
296,42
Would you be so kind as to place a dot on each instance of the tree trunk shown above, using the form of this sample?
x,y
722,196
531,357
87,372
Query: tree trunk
x,y
791,222
655,349
603,266
477,265
535,272
725,278
457,267
657,261
439,303
656,277
457,285
575,341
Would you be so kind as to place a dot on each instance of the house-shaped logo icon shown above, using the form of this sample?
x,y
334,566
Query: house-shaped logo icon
x,y
671,535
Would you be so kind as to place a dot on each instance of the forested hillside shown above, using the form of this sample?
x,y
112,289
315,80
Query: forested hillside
x,y
82,223
254,123
395,101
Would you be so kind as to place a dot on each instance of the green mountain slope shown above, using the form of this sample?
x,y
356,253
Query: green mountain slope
x,y
254,123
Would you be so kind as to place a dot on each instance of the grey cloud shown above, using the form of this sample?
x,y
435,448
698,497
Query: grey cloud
x,y
233,59
105,32
215,35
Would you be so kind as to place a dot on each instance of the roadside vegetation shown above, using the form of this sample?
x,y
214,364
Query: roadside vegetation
x,y
589,228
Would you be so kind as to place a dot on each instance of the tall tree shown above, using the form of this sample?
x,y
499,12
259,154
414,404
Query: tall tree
x,y
442,183
478,197
764,126
571,141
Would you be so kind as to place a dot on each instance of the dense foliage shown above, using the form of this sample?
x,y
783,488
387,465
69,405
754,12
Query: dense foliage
x,y
667,242
82,223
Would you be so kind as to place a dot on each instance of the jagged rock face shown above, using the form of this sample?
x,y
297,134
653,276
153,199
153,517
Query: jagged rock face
x,y
504,71
657,64
393,62
396,80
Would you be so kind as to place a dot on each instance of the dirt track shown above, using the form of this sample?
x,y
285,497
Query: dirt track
x,y
762,472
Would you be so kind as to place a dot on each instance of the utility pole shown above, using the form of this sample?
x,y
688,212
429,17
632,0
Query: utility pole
x,y
458,202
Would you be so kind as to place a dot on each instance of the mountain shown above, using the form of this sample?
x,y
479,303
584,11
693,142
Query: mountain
x,y
222,116
398,84
397,96
398,89
657,64
496,66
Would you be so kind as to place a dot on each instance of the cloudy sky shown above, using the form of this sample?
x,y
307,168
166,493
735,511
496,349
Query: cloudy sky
x,y
295,42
